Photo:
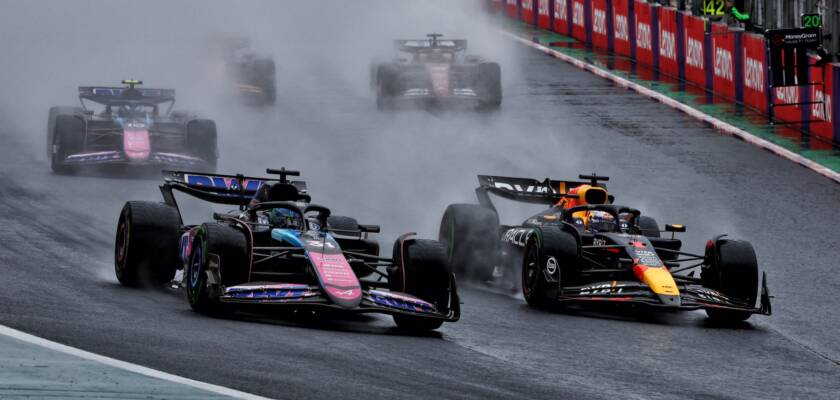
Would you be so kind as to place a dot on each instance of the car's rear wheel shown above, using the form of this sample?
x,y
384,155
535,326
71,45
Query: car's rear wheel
x,y
202,141
146,246
386,79
489,85
68,138
548,260
421,270
649,227
471,234
265,75
732,269
218,257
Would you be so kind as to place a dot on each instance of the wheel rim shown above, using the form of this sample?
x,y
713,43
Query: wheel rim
x,y
196,262
122,243
530,270
122,247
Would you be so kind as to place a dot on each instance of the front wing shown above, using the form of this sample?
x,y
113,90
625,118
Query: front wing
x,y
693,296
119,157
373,300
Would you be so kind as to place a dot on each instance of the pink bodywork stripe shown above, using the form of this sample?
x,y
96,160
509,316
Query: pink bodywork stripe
x,y
136,144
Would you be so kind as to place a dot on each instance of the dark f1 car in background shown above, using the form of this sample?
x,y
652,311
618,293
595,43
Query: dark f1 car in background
x,y
436,72
253,74
584,249
131,129
281,250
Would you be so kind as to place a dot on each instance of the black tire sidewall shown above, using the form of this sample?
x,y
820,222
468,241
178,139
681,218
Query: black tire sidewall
x,y
470,234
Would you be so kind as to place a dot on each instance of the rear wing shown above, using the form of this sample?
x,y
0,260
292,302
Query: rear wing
x,y
110,95
417,45
219,189
527,190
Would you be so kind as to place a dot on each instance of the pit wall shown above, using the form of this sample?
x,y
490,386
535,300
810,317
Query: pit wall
x,y
730,64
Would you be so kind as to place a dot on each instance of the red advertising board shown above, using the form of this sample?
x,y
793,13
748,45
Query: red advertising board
x,y
561,16
695,51
822,93
543,17
599,24
621,27
782,97
510,7
527,11
644,32
723,61
668,63
579,20
755,67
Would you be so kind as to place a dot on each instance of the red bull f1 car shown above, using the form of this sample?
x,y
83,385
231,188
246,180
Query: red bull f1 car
x,y
253,74
436,72
585,249
131,129
280,249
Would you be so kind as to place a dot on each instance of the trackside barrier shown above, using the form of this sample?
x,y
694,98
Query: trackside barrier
x,y
624,32
495,6
580,20
646,40
755,79
544,14
602,36
563,17
669,32
827,129
728,62
526,11
725,65
695,61
512,8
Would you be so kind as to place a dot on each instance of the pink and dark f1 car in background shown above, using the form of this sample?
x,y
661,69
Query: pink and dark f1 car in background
x,y
436,72
279,249
130,130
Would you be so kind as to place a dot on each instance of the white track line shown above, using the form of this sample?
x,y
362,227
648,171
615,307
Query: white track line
x,y
16,334
721,126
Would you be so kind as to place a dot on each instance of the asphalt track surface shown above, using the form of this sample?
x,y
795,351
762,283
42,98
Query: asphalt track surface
x,y
400,170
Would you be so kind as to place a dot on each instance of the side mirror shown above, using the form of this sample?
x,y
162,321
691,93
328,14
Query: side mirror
x,y
674,228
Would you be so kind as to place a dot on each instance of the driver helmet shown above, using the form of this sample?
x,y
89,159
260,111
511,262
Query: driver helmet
x,y
285,218
133,110
601,221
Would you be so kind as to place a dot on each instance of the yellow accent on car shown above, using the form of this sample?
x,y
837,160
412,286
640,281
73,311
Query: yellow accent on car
x,y
660,281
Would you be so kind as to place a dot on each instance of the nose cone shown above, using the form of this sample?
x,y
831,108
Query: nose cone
x,y
660,282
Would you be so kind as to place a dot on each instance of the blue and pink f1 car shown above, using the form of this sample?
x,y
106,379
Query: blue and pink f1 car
x,y
130,129
280,249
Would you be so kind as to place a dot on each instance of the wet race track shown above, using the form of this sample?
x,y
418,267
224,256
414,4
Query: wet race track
x,y
400,170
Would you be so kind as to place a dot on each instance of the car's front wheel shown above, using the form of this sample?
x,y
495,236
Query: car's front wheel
x,y
732,269
422,270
